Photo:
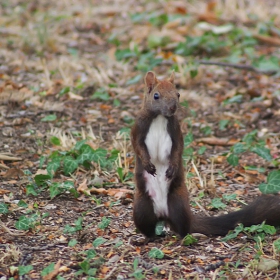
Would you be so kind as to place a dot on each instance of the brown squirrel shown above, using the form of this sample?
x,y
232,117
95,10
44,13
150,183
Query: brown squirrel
x,y
161,193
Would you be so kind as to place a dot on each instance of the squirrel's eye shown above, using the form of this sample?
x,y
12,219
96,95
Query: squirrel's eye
x,y
178,94
156,96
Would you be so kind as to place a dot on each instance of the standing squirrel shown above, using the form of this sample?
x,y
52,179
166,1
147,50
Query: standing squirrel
x,y
161,192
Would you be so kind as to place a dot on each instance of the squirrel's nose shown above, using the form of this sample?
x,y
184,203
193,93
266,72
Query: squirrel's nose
x,y
173,108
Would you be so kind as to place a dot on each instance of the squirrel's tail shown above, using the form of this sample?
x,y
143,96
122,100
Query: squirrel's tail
x,y
265,208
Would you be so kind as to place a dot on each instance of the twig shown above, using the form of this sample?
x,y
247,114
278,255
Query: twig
x,y
9,231
202,209
198,175
237,66
4,166
4,157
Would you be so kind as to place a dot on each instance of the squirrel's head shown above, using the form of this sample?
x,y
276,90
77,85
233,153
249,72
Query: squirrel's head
x,y
161,97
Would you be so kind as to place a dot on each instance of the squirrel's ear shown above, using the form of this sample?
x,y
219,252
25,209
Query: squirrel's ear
x,y
150,80
171,78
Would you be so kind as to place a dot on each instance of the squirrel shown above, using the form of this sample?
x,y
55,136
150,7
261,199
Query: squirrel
x,y
161,192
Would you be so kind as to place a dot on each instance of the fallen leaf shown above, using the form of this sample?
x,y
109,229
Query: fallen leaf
x,y
266,264
217,141
13,172
83,187
53,273
2,191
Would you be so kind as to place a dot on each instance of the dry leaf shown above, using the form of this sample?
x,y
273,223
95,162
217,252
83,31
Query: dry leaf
x,y
4,191
83,188
53,273
13,172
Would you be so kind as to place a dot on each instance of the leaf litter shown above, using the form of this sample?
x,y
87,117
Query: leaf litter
x,y
70,86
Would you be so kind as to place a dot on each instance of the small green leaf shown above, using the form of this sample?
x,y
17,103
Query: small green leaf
x,y
268,64
234,99
41,179
276,245
123,54
206,130
23,223
273,183
239,148
72,242
53,166
101,94
4,208
85,266
250,137
217,203
31,190
256,168
120,173
193,73
229,197
201,150
55,189
69,229
49,118
116,102
269,229
22,270
69,165
55,141
185,104
104,223
159,228
233,159
188,139
91,254
233,234
79,144
87,154
188,152
156,253
79,223
47,270
189,240
134,80
42,161
98,241
22,203
64,91
262,152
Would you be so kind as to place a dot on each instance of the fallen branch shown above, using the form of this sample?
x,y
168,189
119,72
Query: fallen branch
x,y
217,141
237,66
9,231
267,39
5,157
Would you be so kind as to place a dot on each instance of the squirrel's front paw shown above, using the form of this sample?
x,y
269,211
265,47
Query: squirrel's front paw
x,y
150,168
171,171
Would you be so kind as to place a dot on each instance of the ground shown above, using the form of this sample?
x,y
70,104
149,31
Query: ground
x,y
71,83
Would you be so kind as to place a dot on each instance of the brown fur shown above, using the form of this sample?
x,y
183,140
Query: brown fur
x,y
265,208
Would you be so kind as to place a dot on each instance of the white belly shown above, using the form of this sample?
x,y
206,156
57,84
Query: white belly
x,y
159,146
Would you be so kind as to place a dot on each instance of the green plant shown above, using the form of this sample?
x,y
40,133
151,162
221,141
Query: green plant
x,y
24,269
137,272
189,240
251,143
257,232
77,228
156,253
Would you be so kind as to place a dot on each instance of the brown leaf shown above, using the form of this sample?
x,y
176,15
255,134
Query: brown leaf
x,y
218,141
13,172
53,273
2,191
83,187
267,40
